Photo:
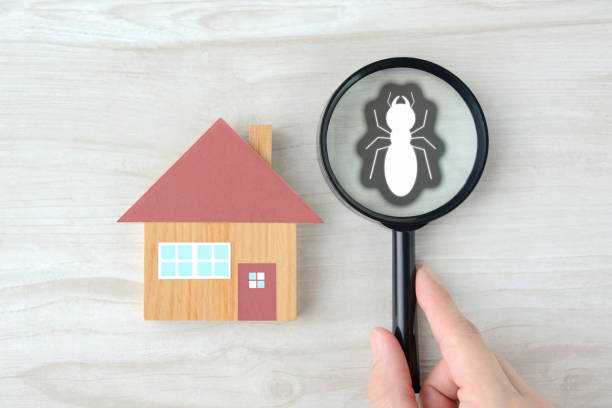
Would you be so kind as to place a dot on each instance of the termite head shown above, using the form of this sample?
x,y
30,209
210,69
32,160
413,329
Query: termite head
x,y
400,116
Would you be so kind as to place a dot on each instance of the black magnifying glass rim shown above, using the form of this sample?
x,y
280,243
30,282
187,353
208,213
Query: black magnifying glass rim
x,y
482,134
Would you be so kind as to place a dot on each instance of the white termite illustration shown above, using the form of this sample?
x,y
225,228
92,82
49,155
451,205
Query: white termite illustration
x,y
400,167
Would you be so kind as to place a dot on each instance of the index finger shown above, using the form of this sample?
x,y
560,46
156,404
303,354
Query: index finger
x,y
469,360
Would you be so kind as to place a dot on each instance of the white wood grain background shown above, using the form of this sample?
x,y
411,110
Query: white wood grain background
x,y
98,98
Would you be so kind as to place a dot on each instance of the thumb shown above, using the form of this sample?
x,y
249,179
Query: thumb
x,y
390,385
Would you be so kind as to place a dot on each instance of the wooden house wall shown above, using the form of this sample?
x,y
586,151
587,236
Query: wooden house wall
x,y
217,299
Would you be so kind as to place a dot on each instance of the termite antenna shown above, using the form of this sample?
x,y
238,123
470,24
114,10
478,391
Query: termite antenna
x,y
388,98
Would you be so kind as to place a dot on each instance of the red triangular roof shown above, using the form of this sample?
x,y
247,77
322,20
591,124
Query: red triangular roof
x,y
220,179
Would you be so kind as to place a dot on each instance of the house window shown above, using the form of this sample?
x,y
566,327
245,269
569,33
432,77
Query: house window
x,y
194,260
257,280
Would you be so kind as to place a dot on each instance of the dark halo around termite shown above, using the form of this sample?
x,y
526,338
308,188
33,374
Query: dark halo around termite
x,y
380,104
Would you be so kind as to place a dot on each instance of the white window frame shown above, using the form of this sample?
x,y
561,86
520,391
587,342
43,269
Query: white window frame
x,y
194,260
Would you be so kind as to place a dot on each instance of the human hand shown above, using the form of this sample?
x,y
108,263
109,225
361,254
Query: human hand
x,y
469,374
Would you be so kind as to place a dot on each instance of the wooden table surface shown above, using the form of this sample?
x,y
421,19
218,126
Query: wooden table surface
x,y
97,99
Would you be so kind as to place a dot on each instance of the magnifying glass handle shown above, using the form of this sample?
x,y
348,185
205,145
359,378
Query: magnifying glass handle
x,y
404,301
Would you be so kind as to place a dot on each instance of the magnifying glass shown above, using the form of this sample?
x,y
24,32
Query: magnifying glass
x,y
403,141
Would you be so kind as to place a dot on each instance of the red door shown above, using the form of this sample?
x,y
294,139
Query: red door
x,y
256,291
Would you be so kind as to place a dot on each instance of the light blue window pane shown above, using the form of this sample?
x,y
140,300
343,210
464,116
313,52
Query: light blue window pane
x,y
222,252
261,284
222,269
204,269
184,251
167,269
185,269
252,275
167,251
204,251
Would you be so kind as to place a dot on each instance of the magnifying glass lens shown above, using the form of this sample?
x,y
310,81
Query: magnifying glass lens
x,y
401,142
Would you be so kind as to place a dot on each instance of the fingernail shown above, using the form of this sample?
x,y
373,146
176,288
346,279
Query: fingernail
x,y
424,268
376,342
434,276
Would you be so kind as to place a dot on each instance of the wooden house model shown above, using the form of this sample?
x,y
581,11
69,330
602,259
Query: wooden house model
x,y
220,233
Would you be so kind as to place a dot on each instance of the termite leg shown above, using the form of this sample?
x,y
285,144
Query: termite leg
x,y
389,98
412,103
374,161
424,122
426,160
375,139
426,141
377,125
